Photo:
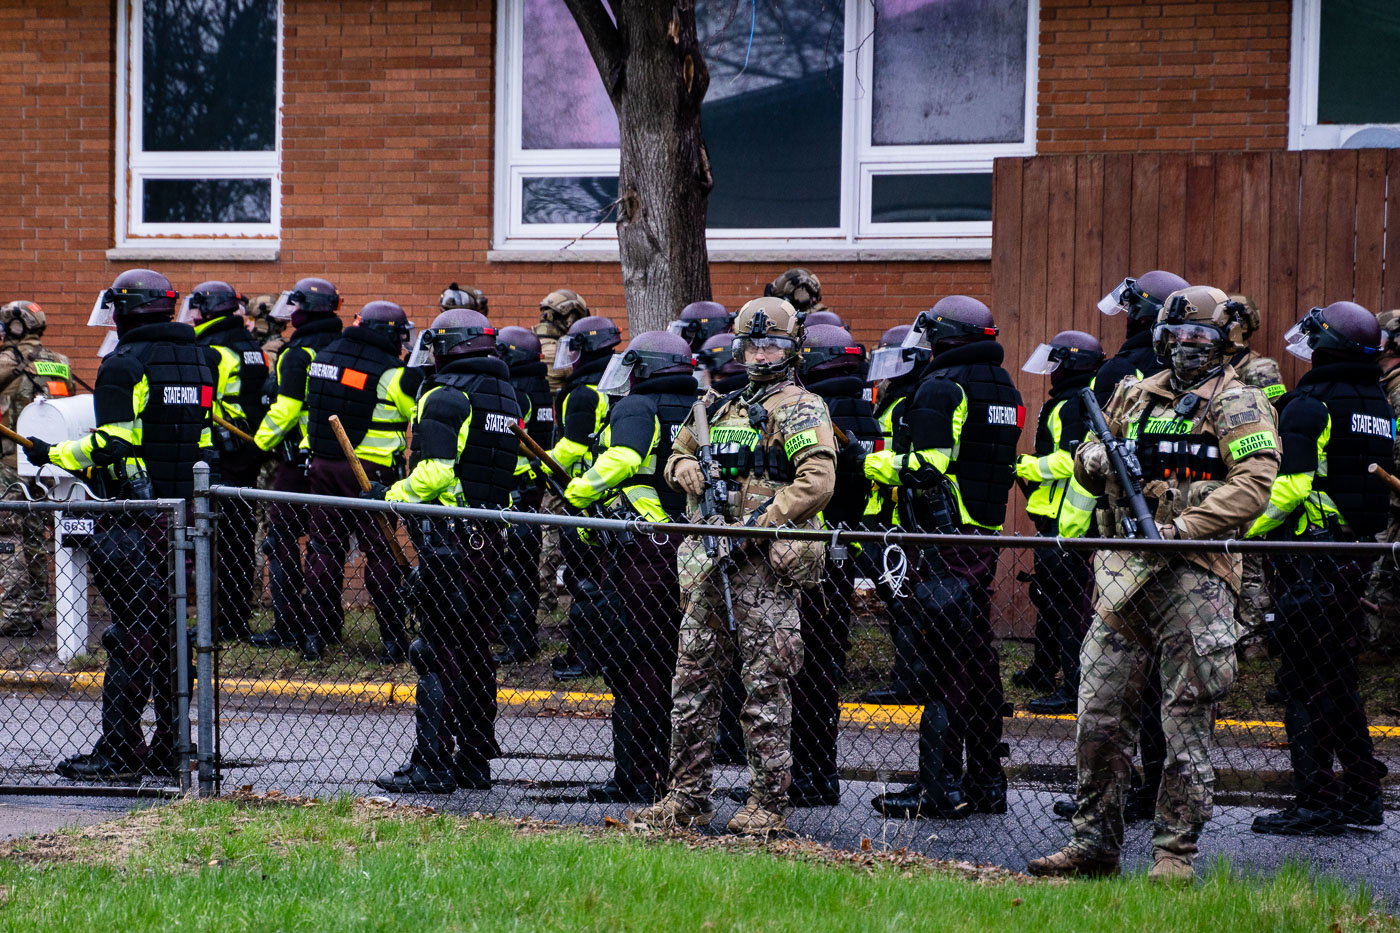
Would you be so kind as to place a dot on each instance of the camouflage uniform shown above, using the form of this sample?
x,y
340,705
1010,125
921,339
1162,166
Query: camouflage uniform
x,y
1180,609
27,370
764,583
1383,588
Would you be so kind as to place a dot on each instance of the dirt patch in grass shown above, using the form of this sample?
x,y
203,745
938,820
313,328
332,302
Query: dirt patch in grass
x,y
109,843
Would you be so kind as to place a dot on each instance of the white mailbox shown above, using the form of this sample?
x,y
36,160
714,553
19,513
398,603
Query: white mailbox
x,y
55,420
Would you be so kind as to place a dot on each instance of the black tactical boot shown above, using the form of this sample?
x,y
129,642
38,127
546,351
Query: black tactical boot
x,y
937,794
1370,813
1300,821
815,790
275,638
97,766
987,795
429,771
1065,809
1064,699
471,771
1034,678
313,648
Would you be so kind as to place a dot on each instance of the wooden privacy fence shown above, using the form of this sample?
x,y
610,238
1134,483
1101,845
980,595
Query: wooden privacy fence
x,y
1293,230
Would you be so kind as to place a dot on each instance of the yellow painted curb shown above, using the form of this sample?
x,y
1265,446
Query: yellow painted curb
x,y
870,715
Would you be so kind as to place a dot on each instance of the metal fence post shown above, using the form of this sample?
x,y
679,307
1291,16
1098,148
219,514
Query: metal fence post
x,y
179,621
204,626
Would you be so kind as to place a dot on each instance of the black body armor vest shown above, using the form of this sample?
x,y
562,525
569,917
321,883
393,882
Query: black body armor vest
x,y
344,380
850,409
314,336
668,399
529,382
486,467
253,371
1363,433
179,403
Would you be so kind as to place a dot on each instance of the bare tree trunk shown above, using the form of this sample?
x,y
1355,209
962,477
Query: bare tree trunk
x,y
651,64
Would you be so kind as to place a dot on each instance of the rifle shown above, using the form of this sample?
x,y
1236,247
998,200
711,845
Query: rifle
x,y
1140,524
712,500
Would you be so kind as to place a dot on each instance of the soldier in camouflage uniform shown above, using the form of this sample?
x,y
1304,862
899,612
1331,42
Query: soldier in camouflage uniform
x,y
776,440
27,370
1254,369
799,288
267,330
1209,448
560,310
1381,602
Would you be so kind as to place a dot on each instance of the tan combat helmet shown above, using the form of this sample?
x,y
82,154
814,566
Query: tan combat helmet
x,y
1244,308
1390,331
457,296
767,321
21,318
559,311
801,289
1196,331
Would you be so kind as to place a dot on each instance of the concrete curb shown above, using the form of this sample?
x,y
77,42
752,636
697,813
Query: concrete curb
x,y
869,715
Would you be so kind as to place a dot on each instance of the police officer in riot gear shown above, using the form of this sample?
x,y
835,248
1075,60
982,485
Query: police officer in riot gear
x,y
464,454
1334,425
701,320
520,350
652,388
1140,299
153,399
28,370
584,352
310,307
266,329
240,371
1061,588
882,512
829,366
361,378
954,453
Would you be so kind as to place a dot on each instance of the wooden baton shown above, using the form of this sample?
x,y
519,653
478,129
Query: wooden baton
x,y
380,518
233,429
1385,476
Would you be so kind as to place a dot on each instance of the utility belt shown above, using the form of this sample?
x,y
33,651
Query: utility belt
x,y
446,534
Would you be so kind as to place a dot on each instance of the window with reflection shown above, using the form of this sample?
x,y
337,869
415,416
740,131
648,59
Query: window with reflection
x,y
825,120
202,118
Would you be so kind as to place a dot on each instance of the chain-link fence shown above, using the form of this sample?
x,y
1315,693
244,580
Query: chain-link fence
x,y
401,684
934,662
92,619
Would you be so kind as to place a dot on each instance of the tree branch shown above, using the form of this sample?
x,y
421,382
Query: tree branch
x,y
603,39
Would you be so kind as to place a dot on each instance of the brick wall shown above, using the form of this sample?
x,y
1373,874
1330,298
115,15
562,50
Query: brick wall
x,y
1119,77
387,154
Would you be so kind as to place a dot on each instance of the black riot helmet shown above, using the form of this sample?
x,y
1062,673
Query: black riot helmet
x,y
587,339
654,353
388,320
828,349
308,298
517,346
1342,331
210,300
455,334
716,357
815,318
1142,297
701,320
136,297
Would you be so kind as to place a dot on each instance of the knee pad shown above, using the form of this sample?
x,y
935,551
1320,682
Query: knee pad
x,y
422,656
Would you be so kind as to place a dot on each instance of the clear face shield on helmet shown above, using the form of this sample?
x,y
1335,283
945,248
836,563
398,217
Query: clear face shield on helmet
x,y
617,378
282,309
109,343
564,356
1045,359
104,310
1115,301
422,354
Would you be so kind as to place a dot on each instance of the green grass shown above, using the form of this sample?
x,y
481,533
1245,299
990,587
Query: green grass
x,y
344,866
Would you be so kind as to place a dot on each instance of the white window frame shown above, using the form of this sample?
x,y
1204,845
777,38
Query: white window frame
x,y
1304,132
135,166
860,163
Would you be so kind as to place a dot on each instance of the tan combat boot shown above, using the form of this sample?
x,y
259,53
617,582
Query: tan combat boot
x,y
1072,862
1171,868
671,811
754,819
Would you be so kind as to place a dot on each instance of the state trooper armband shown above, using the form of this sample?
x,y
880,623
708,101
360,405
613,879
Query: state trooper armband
x,y
1250,444
799,442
